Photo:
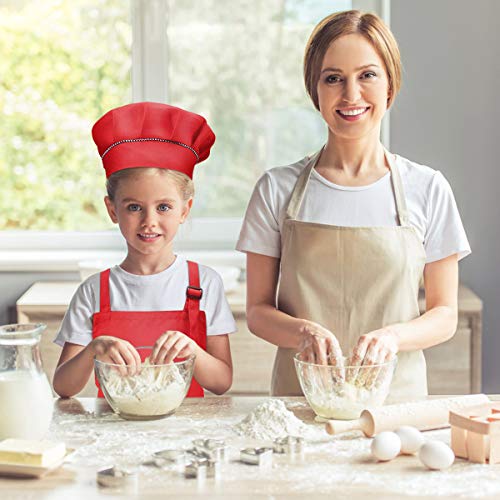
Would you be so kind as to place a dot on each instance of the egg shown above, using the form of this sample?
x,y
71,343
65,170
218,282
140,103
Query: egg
x,y
386,446
436,455
411,439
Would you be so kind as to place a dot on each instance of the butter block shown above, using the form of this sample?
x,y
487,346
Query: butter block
x,y
31,452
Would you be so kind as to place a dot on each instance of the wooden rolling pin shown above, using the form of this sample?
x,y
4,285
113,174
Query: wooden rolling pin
x,y
424,415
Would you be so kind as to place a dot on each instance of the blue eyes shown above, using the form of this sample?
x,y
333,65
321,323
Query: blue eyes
x,y
335,78
134,207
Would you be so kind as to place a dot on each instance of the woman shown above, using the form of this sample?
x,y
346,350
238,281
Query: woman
x,y
349,232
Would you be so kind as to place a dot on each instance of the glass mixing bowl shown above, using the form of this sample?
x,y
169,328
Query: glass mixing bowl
x,y
154,392
343,393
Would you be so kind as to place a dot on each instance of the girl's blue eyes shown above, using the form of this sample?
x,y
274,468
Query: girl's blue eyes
x,y
335,78
133,207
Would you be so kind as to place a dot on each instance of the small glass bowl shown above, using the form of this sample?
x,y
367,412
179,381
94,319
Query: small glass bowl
x,y
154,392
343,393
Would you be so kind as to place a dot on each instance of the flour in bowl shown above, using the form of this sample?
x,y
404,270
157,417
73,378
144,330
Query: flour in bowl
x,y
154,391
271,420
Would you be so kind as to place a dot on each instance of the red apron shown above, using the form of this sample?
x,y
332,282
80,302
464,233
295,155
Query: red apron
x,y
142,328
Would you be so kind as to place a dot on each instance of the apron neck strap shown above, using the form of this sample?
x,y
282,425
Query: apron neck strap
x,y
301,185
104,292
397,186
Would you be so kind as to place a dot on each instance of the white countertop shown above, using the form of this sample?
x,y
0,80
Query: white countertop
x,y
339,465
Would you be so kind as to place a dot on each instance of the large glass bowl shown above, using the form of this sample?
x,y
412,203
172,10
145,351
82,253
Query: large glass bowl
x,y
335,393
154,392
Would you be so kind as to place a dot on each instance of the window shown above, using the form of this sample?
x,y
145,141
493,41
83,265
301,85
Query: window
x,y
63,64
237,62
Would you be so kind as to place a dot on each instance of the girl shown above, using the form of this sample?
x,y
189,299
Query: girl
x,y
153,297
349,232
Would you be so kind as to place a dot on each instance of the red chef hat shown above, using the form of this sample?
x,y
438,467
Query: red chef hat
x,y
150,134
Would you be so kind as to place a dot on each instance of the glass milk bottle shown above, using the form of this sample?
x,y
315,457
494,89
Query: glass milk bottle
x,y
26,401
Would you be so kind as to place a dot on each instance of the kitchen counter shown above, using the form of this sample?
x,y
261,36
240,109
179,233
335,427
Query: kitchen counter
x,y
339,465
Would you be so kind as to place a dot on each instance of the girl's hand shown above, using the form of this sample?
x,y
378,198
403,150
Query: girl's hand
x,y
117,351
320,346
171,345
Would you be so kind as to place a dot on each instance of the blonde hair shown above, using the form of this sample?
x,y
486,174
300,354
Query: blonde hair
x,y
184,183
347,23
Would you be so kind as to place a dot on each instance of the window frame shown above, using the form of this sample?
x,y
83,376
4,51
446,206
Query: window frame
x,y
149,76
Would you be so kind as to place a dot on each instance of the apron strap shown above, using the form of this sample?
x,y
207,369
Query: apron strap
x,y
397,186
104,292
193,293
301,185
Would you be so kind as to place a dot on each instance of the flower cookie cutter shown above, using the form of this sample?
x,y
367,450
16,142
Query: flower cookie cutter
x,y
115,477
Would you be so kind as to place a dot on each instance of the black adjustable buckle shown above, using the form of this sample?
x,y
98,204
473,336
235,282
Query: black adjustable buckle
x,y
193,292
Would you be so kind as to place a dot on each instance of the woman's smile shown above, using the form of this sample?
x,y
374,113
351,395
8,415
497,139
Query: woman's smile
x,y
352,114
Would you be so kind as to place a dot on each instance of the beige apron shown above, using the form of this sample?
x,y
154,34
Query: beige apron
x,y
351,280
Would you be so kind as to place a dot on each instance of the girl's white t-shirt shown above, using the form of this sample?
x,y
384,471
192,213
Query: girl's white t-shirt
x,y
430,202
164,291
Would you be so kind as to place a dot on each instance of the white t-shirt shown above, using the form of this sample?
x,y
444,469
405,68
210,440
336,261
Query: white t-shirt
x,y
430,202
164,291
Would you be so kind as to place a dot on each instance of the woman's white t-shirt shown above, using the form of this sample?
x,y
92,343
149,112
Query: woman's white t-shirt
x,y
164,291
430,202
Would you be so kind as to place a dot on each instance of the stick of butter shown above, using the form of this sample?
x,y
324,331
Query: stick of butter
x,y
31,452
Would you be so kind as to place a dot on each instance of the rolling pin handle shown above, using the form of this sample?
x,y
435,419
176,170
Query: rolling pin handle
x,y
339,426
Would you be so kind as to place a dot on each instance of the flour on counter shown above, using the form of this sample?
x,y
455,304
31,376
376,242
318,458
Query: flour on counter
x,y
271,420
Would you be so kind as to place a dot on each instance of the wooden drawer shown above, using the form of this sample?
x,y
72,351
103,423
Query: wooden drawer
x,y
449,364
253,360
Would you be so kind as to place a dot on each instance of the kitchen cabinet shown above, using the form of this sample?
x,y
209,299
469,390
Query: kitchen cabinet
x,y
454,367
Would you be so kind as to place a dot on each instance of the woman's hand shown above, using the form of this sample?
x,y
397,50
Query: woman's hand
x,y
319,345
374,348
117,351
171,345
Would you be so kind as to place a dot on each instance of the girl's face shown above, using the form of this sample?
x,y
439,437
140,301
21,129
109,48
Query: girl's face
x,y
353,88
148,208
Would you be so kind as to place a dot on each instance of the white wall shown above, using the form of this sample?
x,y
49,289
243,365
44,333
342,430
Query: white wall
x,y
447,117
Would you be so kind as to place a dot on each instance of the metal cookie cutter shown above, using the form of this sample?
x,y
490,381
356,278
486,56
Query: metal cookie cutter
x,y
202,468
196,469
168,456
289,445
117,478
257,456
216,449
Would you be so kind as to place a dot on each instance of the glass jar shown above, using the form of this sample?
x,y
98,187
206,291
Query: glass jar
x,y
26,401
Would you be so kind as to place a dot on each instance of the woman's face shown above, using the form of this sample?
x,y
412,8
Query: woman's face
x,y
353,88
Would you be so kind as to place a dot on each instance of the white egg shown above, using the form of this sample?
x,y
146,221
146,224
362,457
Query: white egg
x,y
411,439
386,446
436,455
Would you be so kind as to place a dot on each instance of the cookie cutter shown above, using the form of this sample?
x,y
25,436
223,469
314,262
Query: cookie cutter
x,y
117,478
289,445
202,468
216,449
257,456
173,456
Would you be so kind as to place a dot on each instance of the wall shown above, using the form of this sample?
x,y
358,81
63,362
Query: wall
x,y
447,117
